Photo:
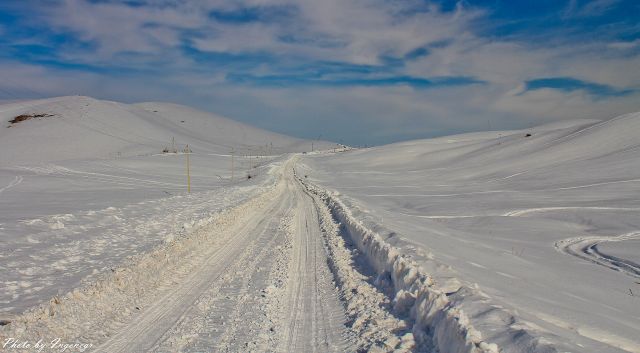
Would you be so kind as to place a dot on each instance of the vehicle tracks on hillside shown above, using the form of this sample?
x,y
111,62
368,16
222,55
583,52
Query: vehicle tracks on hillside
x,y
586,248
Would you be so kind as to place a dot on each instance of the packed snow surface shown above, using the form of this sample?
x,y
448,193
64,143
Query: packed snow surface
x,y
543,223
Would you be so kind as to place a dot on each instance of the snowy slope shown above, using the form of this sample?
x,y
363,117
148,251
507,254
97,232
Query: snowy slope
x,y
546,225
83,127
87,186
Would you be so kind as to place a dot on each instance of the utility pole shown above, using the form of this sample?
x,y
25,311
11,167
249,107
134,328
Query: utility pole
x,y
173,145
187,152
232,161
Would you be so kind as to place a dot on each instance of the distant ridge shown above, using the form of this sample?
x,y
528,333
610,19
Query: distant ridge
x,y
77,127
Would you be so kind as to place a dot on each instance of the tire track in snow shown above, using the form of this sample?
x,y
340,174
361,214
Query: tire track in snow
x,y
372,324
214,308
145,331
243,289
586,248
507,191
315,320
523,212
213,319
517,213
57,170
15,182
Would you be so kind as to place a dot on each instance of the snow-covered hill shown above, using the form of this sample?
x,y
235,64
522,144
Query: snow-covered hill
x,y
75,128
546,222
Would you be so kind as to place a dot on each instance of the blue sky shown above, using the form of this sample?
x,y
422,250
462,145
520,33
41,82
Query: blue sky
x,y
361,72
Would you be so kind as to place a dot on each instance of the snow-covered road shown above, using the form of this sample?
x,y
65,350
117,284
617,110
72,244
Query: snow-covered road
x,y
241,297
265,275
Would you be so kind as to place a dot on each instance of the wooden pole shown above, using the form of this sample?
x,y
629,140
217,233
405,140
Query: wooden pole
x,y
232,162
186,150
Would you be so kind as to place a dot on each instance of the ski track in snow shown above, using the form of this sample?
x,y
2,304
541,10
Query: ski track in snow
x,y
15,182
52,169
586,248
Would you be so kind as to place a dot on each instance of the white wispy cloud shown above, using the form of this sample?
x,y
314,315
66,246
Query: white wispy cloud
x,y
189,51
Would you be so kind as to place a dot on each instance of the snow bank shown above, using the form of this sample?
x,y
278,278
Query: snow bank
x,y
440,314
373,327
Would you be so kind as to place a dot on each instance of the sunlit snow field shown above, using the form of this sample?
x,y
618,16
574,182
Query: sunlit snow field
x,y
541,225
547,225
